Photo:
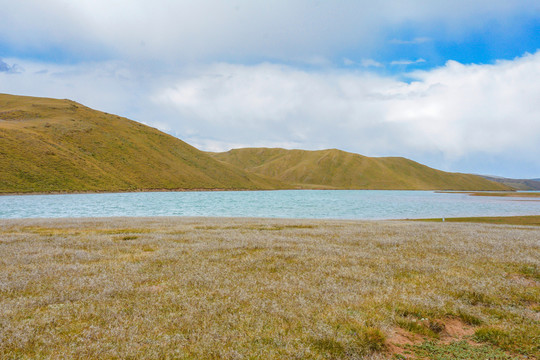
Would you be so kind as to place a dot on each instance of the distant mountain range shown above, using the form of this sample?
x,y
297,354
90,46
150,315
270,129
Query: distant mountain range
x,y
518,184
51,145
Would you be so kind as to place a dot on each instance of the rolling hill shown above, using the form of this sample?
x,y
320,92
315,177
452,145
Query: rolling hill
x,y
336,169
50,145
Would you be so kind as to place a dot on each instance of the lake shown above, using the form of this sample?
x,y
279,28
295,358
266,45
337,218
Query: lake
x,y
319,204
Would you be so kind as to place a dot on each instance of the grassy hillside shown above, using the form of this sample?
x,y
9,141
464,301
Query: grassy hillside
x,y
337,169
49,145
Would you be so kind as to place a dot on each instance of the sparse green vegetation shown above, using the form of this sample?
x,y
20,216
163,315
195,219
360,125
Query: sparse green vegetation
x,y
469,319
521,339
459,350
191,288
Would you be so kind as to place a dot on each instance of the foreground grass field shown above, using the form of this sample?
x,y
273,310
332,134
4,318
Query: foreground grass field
x,y
187,288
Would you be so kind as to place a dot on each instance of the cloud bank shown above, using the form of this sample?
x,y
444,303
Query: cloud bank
x,y
215,30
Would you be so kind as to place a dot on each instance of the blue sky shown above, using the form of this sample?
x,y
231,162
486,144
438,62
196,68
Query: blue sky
x,y
452,84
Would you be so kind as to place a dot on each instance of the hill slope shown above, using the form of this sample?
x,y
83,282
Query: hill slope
x,y
338,169
49,145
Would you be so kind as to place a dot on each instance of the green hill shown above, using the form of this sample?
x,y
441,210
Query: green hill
x,y
336,169
49,145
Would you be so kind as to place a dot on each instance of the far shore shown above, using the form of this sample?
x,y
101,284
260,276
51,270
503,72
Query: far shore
x,y
120,191
530,220
495,193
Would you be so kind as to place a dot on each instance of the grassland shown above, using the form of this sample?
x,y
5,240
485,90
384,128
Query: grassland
x,y
529,220
190,288
51,145
336,169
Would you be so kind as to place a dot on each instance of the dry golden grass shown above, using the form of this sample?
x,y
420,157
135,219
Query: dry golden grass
x,y
188,288
530,220
51,146
337,169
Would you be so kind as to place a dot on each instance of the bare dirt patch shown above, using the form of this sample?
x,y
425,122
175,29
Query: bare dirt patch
x,y
455,330
400,338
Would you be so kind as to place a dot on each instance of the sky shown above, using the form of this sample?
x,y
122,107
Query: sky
x,y
453,84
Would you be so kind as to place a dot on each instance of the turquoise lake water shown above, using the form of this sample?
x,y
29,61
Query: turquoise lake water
x,y
320,204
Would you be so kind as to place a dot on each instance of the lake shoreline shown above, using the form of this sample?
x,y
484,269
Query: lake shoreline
x,y
126,191
521,220
526,220
90,192
495,193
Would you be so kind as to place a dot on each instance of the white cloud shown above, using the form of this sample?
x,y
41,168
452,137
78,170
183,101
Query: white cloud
x,y
370,63
415,41
407,62
367,63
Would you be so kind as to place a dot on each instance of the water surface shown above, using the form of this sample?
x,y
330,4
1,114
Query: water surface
x,y
320,204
